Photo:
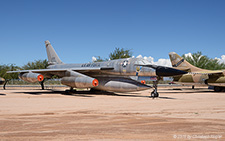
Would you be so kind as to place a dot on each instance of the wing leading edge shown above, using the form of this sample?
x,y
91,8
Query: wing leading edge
x,y
86,69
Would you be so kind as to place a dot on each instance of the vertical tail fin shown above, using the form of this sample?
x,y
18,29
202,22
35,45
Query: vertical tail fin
x,y
179,62
52,55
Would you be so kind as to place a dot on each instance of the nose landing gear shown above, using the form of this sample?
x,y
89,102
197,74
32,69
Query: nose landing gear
x,y
154,93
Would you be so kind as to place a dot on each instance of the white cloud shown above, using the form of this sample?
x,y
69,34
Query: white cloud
x,y
160,62
151,59
93,59
222,59
188,55
163,62
139,56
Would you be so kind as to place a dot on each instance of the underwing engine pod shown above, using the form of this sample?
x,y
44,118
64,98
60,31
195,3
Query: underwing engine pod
x,y
31,77
121,85
80,82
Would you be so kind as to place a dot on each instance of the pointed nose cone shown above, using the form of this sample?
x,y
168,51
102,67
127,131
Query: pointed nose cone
x,y
167,71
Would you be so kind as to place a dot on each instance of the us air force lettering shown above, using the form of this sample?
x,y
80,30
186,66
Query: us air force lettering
x,y
115,75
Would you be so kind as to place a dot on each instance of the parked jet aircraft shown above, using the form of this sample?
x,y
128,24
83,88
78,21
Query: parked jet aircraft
x,y
197,76
116,75
2,81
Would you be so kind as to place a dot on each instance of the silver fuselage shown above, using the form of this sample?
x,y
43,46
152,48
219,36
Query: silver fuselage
x,y
121,68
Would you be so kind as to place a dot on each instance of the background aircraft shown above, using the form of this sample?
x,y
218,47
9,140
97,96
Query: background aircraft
x,y
197,76
115,76
2,81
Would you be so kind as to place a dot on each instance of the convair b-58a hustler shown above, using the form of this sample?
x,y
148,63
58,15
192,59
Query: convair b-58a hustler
x,y
197,76
114,76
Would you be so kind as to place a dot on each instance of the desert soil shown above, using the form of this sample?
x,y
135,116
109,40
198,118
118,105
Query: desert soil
x,y
178,114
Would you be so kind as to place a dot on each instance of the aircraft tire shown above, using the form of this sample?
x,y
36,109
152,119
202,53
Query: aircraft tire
x,y
154,94
157,95
222,89
217,89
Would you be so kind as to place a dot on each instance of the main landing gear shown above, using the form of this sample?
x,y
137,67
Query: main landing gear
x,y
219,89
71,90
154,93
6,81
42,84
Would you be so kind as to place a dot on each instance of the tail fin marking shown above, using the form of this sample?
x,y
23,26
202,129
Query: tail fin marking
x,y
179,62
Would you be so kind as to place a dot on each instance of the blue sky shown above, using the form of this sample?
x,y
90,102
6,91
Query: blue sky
x,y
80,29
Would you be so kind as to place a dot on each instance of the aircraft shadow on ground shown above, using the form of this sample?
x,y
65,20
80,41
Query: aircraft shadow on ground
x,y
53,92
195,91
90,94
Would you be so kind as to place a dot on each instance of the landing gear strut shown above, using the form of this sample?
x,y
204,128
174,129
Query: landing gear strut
x,y
6,81
154,93
71,89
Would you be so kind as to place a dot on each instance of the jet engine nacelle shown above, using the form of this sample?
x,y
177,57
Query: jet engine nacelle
x,y
31,77
120,85
80,82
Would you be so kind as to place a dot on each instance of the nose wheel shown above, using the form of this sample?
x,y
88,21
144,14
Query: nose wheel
x,y
154,93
